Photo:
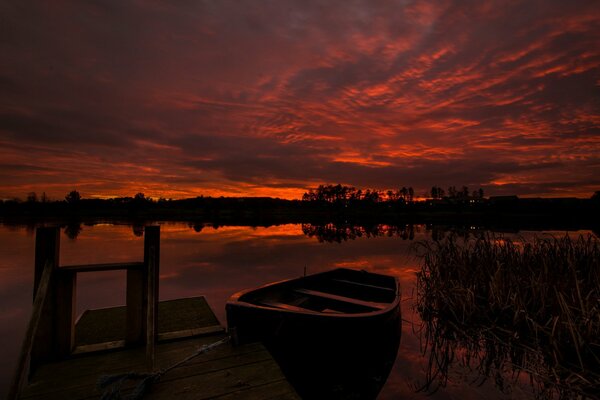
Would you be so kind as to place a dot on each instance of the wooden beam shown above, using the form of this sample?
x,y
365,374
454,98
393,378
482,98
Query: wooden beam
x,y
90,348
152,261
138,299
24,361
344,299
103,267
135,300
65,309
186,333
47,246
47,249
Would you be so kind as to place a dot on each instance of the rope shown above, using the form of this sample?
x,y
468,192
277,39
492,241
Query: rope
x,y
112,384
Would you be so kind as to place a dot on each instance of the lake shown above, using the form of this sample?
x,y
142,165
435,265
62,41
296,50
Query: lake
x,y
219,261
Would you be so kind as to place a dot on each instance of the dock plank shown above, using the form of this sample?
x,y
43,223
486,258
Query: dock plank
x,y
280,390
109,324
225,381
85,371
226,372
84,386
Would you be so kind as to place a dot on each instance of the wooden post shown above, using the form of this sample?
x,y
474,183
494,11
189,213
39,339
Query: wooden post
x,y
65,309
151,263
26,361
136,298
47,247
139,286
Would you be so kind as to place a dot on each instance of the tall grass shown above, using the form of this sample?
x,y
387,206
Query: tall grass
x,y
504,307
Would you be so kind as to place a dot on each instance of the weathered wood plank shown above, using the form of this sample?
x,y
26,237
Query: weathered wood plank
x,y
68,386
125,360
218,383
280,390
47,253
47,249
103,267
151,261
117,344
350,300
65,309
22,369
133,321
91,367
152,266
364,285
247,371
105,346
179,315
186,313
185,333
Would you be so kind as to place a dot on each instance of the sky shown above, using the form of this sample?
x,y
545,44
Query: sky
x,y
270,98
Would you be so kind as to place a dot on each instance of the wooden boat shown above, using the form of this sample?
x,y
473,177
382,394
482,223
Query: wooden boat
x,y
335,334
339,300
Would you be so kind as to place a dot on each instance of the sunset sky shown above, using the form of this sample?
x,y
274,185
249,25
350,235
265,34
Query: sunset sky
x,y
269,98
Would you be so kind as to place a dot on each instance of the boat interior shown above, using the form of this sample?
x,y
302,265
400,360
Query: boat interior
x,y
341,291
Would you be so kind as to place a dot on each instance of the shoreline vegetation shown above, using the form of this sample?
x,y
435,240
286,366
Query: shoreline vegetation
x,y
325,204
502,308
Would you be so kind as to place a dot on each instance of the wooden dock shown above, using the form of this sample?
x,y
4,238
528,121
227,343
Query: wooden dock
x,y
107,342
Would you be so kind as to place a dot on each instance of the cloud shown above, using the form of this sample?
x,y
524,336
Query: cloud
x,y
234,98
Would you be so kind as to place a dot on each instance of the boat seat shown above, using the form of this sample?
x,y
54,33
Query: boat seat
x,y
284,306
364,285
344,299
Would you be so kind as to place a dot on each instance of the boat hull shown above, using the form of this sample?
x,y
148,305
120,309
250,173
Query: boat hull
x,y
324,355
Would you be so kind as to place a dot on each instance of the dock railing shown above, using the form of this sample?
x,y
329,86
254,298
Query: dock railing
x,y
50,334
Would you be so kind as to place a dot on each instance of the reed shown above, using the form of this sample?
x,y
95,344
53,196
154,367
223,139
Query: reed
x,y
506,306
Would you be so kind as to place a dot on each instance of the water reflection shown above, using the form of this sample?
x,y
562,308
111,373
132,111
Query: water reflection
x,y
489,354
138,229
216,261
341,233
73,229
508,311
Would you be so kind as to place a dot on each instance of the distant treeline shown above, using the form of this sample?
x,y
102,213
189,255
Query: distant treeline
x,y
324,204
348,194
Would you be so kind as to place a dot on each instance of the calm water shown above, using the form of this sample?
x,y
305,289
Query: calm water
x,y
218,262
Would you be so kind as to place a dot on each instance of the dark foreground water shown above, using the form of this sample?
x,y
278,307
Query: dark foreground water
x,y
216,263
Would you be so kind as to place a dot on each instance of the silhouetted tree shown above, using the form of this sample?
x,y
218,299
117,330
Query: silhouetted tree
x,y
596,196
404,193
73,197
434,192
464,192
31,197
411,194
452,191
359,194
332,194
